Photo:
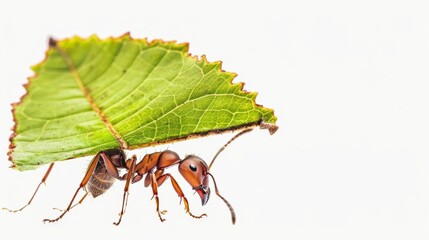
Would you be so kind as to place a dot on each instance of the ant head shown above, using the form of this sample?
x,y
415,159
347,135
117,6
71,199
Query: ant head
x,y
195,171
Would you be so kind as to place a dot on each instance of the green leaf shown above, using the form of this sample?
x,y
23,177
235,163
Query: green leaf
x,y
90,95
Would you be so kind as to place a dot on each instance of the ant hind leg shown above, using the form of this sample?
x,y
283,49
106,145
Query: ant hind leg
x,y
84,181
35,192
78,203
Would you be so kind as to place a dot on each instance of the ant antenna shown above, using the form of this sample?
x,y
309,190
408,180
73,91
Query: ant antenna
x,y
226,202
224,146
233,218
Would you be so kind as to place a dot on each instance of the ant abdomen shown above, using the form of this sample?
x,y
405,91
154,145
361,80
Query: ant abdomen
x,y
101,180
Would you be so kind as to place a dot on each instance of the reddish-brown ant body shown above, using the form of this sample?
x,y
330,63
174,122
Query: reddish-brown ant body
x,y
105,167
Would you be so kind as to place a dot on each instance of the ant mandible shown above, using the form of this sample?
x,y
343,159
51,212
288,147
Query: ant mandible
x,y
104,170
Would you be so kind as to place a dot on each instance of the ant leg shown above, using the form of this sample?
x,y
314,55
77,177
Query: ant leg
x,y
180,193
155,195
85,180
110,168
128,176
80,202
37,189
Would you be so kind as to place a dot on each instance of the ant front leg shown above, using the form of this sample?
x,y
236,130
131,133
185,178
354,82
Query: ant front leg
x,y
180,193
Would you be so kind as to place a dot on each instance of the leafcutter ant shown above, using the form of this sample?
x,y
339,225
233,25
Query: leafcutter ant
x,y
105,166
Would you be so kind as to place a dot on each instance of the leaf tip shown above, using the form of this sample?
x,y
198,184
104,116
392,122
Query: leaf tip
x,y
272,128
52,42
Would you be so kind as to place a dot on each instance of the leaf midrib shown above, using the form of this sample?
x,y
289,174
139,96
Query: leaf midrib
x,y
122,143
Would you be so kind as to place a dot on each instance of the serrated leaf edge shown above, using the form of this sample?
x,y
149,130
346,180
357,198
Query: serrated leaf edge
x,y
272,128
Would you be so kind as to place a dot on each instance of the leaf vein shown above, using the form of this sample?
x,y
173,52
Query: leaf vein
x,y
178,106
137,88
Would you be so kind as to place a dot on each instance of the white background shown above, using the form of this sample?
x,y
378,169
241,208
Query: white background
x,y
349,84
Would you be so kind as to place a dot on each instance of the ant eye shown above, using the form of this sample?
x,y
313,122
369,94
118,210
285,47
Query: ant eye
x,y
192,167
